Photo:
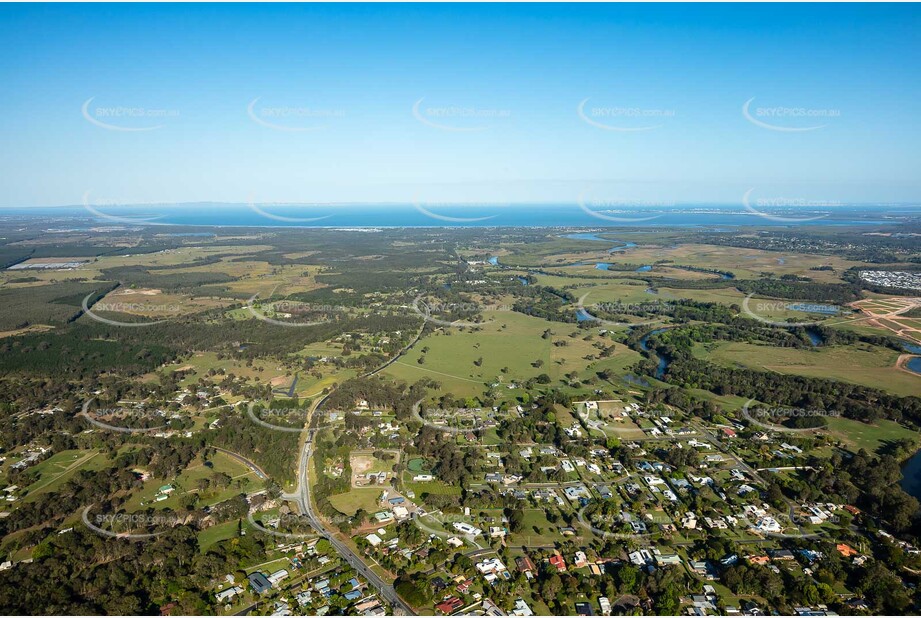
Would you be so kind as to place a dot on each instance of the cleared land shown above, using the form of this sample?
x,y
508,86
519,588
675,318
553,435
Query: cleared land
x,y
243,480
506,340
859,435
54,471
354,499
871,366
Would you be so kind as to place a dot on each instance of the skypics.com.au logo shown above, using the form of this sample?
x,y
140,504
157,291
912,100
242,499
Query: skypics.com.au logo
x,y
126,119
126,525
428,309
769,417
297,314
764,310
617,209
622,119
294,313
292,119
290,527
94,209
788,119
591,312
260,209
270,417
111,418
781,209
619,527
454,420
134,308
462,119
438,210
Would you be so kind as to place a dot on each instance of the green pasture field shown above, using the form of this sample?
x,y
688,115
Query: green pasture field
x,y
730,403
859,363
744,263
220,532
53,472
546,533
244,481
507,339
262,371
859,435
436,488
365,498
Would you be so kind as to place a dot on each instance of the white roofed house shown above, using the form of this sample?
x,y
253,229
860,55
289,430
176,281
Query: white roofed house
x,y
374,540
641,557
574,493
228,593
492,569
490,565
521,609
277,576
768,524
465,528
664,559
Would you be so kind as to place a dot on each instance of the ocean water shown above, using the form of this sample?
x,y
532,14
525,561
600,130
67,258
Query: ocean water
x,y
723,218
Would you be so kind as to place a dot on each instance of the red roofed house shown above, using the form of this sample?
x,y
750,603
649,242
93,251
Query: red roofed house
x,y
449,605
557,561
846,550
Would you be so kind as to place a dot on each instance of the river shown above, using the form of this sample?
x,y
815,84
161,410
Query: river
x,y
911,475
911,469
663,362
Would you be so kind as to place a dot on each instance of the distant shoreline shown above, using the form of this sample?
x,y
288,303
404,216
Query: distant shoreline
x,y
402,216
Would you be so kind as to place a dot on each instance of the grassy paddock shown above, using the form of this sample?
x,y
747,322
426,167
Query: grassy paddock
x,y
857,435
863,364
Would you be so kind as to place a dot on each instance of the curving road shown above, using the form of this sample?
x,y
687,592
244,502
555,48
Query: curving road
x,y
301,496
243,460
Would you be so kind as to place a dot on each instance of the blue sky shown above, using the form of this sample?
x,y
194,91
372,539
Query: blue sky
x,y
222,86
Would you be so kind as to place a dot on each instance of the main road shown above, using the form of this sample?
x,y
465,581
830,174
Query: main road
x,y
301,496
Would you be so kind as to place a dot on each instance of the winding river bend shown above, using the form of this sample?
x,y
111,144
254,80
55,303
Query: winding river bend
x,y
663,362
